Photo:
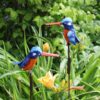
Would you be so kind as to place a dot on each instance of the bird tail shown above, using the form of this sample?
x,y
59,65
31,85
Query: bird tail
x,y
77,40
16,63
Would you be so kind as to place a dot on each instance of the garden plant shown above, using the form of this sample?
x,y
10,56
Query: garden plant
x,y
23,25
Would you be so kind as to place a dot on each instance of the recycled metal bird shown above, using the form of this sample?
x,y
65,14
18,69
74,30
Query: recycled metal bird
x,y
70,37
31,59
69,31
29,62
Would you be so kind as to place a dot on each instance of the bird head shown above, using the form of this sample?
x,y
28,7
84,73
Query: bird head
x,y
66,22
36,51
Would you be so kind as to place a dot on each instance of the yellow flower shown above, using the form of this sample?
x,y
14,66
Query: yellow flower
x,y
82,46
64,84
48,80
79,46
75,46
64,87
46,47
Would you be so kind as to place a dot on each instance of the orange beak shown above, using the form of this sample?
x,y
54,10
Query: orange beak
x,y
49,54
53,23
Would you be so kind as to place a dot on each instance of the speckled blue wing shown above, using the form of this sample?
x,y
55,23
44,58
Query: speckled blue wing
x,y
24,62
72,37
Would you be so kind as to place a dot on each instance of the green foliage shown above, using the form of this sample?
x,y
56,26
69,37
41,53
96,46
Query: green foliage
x,y
22,26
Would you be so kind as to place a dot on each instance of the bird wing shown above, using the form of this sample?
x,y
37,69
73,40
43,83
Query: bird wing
x,y
16,63
24,62
72,37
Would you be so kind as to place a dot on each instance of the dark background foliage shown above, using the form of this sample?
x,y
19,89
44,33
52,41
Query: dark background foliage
x,y
22,25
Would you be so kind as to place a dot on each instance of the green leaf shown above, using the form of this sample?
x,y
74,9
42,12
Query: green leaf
x,y
91,70
21,1
28,16
2,23
13,13
38,21
9,74
63,65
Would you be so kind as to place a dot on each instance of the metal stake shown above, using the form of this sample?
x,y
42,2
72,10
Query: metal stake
x,y
31,84
68,70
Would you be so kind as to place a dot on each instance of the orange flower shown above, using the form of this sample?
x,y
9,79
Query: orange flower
x,y
46,47
48,80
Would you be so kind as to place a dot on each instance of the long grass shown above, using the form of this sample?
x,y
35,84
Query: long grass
x,y
14,83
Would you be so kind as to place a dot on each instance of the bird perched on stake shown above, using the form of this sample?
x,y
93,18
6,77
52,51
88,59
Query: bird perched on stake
x,y
69,31
29,62
70,37
31,59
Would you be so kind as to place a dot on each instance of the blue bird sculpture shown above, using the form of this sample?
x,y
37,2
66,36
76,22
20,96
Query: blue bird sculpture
x,y
69,31
70,37
31,59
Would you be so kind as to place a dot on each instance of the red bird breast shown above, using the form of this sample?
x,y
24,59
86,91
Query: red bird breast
x,y
65,35
30,64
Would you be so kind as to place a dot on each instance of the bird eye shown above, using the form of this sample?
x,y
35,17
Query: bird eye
x,y
69,23
39,54
34,54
